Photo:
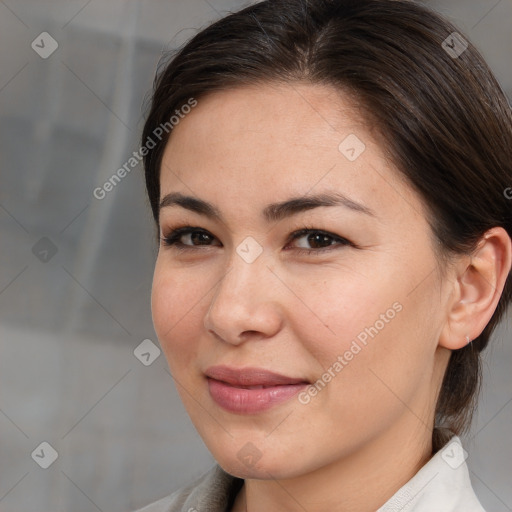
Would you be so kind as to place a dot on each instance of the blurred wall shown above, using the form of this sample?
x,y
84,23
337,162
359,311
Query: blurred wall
x,y
75,271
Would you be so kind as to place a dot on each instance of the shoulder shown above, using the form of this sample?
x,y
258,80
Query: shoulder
x,y
212,491
172,503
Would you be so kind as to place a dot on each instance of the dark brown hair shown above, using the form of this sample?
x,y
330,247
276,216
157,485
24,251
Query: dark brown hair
x,y
442,117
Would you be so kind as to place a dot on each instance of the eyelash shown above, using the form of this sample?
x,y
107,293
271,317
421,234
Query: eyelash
x,y
172,239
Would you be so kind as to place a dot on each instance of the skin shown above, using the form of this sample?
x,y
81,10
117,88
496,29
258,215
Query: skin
x,y
369,430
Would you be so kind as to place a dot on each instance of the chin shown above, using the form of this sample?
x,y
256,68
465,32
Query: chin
x,y
257,471
247,461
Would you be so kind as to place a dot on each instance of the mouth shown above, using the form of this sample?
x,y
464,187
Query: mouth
x,y
247,387
250,390
247,378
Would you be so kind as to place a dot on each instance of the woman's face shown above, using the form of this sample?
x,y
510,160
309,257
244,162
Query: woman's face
x,y
358,317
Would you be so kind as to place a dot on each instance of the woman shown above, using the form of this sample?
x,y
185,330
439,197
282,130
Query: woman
x,y
328,180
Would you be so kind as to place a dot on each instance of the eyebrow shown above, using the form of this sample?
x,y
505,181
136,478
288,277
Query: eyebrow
x,y
272,212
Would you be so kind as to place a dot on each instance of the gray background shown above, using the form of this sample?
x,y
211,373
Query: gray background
x,y
69,326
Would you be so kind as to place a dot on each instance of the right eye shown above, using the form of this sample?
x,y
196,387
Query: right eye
x,y
196,236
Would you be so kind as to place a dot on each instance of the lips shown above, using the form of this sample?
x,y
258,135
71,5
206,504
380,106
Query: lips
x,y
250,378
250,390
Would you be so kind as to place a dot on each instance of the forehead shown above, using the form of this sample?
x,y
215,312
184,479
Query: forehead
x,y
269,142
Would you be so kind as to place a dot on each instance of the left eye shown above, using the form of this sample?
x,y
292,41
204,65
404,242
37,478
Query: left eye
x,y
318,240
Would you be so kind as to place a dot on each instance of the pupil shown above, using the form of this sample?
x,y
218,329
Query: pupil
x,y
199,237
318,238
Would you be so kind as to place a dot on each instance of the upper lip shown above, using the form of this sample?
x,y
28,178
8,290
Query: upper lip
x,y
250,376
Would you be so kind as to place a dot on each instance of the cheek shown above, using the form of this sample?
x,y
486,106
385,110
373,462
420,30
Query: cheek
x,y
334,310
357,330
176,308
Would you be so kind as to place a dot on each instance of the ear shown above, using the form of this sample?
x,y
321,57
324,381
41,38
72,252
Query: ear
x,y
477,289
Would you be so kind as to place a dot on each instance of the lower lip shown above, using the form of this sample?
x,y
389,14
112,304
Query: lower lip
x,y
251,401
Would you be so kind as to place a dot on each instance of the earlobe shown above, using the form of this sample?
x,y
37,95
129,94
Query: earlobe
x,y
477,289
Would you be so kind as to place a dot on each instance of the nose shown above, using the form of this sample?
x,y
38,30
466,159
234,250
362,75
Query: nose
x,y
244,305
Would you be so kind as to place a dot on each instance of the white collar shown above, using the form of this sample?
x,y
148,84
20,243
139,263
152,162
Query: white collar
x,y
441,485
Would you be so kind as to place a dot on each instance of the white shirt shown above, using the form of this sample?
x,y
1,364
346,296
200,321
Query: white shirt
x,y
441,485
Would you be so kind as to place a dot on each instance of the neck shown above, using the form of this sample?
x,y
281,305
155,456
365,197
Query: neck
x,y
359,482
